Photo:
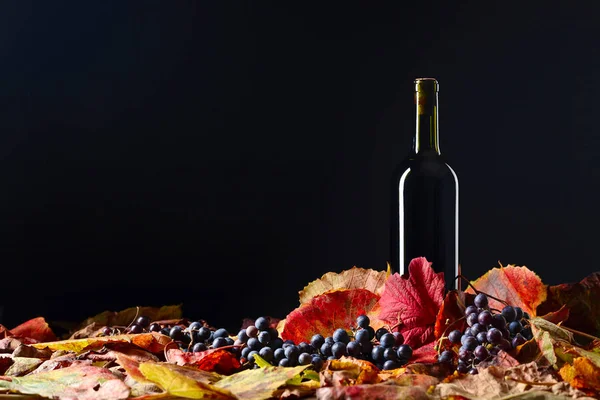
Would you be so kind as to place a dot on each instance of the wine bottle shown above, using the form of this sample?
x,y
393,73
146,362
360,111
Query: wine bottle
x,y
425,196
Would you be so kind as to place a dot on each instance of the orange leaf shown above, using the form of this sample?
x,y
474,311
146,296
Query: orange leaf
x,y
219,360
413,301
36,328
452,312
518,286
583,374
349,371
354,278
326,312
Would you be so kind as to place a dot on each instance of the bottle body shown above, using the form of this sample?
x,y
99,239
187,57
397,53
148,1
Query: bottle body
x,y
424,197
425,215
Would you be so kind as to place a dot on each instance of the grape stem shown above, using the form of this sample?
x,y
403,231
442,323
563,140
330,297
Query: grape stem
x,y
587,335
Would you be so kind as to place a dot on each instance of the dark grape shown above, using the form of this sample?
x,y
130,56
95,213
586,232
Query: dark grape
x,y
353,348
221,332
154,327
387,340
463,338
518,340
505,333
455,336
485,318
473,371
135,328
519,311
242,336
446,356
390,364
362,321
244,353
471,310
481,353
477,328
366,347
494,336
199,347
377,354
289,342
284,362
468,332
390,354
317,341
526,315
267,353
292,353
405,352
399,338
339,349
380,332
264,337
362,336
273,333
471,343
462,368
498,321
482,337
261,323
176,333
251,355
219,342
515,327
527,334
304,359
465,354
472,319
254,344
194,326
305,347
317,362
326,349
278,354
107,331
204,333
143,321
165,331
276,343
340,335
509,313
371,331
481,301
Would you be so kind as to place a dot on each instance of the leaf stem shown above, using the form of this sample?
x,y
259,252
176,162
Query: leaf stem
x,y
587,335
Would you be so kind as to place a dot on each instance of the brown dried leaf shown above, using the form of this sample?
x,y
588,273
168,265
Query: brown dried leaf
x,y
380,391
348,371
353,278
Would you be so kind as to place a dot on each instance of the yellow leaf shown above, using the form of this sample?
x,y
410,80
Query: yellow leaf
x,y
171,380
583,374
153,342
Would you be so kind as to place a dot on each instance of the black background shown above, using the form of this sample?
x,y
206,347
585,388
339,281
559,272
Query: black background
x,y
224,154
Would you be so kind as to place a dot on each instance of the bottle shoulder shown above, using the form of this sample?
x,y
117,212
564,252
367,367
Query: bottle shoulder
x,y
427,164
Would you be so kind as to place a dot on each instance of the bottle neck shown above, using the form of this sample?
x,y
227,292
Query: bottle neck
x,y
427,129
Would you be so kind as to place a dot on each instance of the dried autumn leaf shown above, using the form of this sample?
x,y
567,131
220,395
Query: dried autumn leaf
x,y
407,379
490,383
171,379
36,329
82,382
219,360
152,341
414,302
23,366
349,371
326,312
353,278
518,286
381,391
581,299
127,316
583,374
424,354
261,383
452,312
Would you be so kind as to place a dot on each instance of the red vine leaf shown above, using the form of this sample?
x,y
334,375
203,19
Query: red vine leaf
x,y
518,286
414,301
36,329
326,312
219,360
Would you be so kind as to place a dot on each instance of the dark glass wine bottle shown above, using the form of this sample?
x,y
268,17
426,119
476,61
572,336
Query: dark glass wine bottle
x,y
425,196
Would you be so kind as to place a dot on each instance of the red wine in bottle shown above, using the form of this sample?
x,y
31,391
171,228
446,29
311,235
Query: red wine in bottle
x,y
425,196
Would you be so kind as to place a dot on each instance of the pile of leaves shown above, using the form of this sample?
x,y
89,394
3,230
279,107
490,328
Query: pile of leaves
x,y
561,361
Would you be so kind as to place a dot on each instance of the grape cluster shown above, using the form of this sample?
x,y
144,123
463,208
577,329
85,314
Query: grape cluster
x,y
382,347
487,333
